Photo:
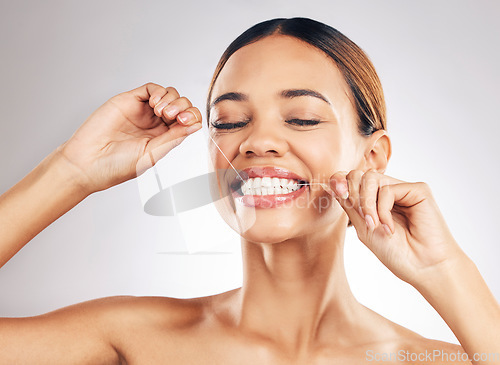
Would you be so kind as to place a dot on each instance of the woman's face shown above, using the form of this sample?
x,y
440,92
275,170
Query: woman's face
x,y
281,109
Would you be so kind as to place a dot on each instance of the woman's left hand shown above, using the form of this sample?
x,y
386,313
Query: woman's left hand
x,y
399,222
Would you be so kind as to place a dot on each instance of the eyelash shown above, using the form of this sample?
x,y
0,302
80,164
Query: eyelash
x,y
296,121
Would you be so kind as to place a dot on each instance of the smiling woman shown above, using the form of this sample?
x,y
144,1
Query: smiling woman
x,y
298,110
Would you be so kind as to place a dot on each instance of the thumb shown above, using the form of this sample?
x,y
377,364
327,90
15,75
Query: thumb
x,y
340,191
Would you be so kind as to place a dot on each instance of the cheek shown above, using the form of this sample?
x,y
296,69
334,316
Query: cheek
x,y
228,150
221,161
324,153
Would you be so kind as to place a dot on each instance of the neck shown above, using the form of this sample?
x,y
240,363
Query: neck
x,y
295,293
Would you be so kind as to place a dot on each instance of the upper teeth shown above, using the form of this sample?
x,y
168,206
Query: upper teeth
x,y
269,186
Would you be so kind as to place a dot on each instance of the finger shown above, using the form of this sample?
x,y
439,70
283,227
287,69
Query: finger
x,y
156,96
356,219
146,91
368,192
403,195
385,204
409,194
170,95
159,146
338,184
353,181
340,187
175,107
189,116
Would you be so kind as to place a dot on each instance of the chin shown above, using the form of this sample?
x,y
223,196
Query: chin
x,y
264,239
259,233
272,227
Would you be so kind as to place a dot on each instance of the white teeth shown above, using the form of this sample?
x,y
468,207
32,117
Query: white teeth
x,y
267,182
269,186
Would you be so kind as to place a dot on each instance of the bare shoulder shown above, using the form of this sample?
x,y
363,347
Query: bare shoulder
x,y
428,351
100,331
164,311
147,329
127,316
417,350
399,344
131,310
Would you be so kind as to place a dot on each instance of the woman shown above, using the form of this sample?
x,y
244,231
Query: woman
x,y
298,110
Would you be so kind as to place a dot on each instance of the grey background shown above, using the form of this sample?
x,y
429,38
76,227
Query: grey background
x,y
60,60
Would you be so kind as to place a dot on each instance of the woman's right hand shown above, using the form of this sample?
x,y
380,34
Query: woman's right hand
x,y
128,134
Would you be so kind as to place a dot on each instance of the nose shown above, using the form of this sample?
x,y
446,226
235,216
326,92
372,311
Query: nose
x,y
264,140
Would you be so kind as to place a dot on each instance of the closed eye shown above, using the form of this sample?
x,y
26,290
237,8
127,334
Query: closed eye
x,y
225,126
303,122
294,121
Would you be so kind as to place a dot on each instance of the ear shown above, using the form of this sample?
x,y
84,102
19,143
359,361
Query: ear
x,y
378,151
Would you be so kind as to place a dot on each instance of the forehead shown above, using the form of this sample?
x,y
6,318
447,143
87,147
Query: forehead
x,y
278,63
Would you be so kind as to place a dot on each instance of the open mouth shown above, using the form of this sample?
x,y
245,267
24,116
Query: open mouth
x,y
267,185
260,181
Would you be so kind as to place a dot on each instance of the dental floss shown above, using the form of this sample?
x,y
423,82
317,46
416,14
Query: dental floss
x,y
226,157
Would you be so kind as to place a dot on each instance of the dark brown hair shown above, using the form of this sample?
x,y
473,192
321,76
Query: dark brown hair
x,y
353,63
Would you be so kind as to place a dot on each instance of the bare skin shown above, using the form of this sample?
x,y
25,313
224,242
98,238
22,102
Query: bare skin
x,y
295,305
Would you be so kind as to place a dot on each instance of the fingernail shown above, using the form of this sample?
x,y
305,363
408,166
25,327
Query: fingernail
x,y
188,117
193,128
171,111
183,118
369,221
156,99
342,190
160,107
387,229
360,211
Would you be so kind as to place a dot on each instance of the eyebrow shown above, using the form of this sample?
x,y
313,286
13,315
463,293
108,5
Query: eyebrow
x,y
287,94
229,96
293,93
